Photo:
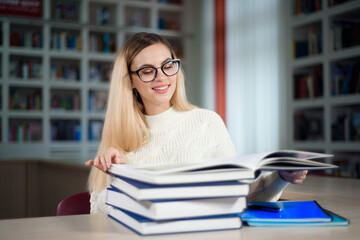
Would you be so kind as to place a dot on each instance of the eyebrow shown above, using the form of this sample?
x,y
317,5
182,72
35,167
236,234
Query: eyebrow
x,y
150,65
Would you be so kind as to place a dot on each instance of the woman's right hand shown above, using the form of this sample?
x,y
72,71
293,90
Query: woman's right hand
x,y
103,162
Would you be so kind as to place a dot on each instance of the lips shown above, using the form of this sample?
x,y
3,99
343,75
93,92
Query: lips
x,y
161,88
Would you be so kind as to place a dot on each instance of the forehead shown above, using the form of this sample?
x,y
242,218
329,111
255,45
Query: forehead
x,y
154,54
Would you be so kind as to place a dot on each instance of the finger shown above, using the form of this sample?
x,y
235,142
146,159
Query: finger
x,y
116,157
296,174
297,181
288,176
112,155
108,159
103,163
89,162
294,179
96,162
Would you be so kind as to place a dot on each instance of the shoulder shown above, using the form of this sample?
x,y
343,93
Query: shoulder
x,y
205,115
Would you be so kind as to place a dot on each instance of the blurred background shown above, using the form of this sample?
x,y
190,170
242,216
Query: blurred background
x,y
283,74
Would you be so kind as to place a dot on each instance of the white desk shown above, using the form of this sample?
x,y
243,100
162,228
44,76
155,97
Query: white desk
x,y
339,195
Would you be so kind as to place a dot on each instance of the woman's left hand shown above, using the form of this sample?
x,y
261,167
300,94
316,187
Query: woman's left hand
x,y
294,177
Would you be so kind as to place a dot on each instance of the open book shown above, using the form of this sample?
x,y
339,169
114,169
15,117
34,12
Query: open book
x,y
223,169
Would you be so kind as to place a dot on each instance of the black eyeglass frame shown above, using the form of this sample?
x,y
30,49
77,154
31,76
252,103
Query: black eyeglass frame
x,y
178,61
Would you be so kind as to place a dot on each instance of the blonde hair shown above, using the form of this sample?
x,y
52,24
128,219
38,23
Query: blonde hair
x,y
125,127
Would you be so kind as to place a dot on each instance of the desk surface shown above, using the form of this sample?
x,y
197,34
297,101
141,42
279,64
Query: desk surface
x,y
341,196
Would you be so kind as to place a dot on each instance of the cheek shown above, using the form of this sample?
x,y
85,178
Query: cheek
x,y
138,84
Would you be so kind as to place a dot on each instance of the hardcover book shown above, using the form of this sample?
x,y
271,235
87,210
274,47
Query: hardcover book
x,y
146,226
145,191
174,208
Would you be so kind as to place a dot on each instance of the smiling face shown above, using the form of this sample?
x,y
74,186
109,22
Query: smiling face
x,y
156,95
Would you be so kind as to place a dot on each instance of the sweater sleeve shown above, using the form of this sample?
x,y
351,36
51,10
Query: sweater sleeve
x,y
98,200
97,203
267,187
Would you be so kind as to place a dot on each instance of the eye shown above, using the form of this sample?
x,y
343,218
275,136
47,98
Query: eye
x,y
168,65
147,71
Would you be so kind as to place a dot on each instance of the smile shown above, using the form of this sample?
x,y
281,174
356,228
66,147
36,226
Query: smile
x,y
162,88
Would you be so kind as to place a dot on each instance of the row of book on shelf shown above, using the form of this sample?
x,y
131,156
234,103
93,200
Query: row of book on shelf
x,y
208,195
309,84
346,126
97,100
345,78
66,41
99,72
65,101
65,72
98,42
65,130
25,98
102,42
349,165
28,39
344,34
26,68
305,6
30,99
25,130
308,125
309,46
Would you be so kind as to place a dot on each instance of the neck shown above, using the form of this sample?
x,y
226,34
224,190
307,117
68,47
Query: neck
x,y
155,110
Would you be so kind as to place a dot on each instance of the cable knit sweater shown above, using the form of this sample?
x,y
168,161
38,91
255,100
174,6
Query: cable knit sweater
x,y
178,137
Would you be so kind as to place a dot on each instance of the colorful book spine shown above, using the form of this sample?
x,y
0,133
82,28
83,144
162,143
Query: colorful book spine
x,y
66,130
25,130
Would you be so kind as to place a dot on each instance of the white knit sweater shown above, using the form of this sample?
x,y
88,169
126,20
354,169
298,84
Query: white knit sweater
x,y
177,137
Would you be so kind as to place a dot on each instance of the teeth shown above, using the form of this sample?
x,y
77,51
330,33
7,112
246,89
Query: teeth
x,y
162,88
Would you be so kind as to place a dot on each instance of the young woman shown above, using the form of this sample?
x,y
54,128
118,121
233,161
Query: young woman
x,y
149,120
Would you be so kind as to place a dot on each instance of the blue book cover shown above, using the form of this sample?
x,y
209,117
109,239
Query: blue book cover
x,y
300,211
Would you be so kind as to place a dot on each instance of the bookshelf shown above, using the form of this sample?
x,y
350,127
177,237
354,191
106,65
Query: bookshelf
x,y
324,80
55,70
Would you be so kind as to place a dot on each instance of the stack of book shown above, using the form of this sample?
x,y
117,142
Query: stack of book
x,y
168,208
202,196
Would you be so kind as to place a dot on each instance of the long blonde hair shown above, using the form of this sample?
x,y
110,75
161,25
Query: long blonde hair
x,y
125,127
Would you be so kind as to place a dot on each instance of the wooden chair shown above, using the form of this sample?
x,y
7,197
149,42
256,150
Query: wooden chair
x,y
75,204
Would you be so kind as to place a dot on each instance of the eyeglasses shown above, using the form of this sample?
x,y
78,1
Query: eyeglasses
x,y
148,74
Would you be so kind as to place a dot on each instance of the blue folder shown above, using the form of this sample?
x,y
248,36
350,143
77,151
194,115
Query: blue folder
x,y
336,221
289,212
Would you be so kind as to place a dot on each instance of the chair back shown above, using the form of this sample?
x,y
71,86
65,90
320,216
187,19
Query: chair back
x,y
75,204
